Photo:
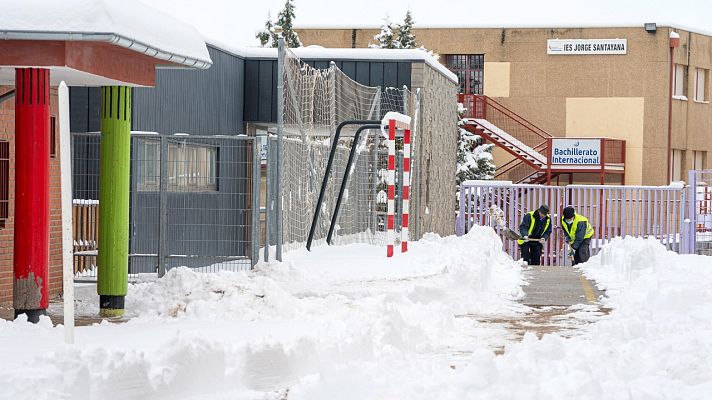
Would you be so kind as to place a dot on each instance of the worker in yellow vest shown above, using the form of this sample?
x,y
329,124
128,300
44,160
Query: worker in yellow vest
x,y
534,230
578,235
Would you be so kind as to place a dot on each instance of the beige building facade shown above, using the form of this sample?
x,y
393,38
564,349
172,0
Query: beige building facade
x,y
618,96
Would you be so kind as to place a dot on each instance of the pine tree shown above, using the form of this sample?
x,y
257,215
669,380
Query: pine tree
x,y
267,36
386,38
474,159
285,20
406,39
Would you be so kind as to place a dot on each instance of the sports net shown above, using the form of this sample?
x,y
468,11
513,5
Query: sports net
x,y
316,101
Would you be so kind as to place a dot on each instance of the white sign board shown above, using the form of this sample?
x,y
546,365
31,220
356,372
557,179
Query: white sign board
x,y
575,151
586,46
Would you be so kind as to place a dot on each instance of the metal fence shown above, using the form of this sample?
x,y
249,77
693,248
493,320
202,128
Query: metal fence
x,y
647,211
193,202
699,232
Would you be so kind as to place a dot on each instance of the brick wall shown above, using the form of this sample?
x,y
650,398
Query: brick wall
x,y
7,132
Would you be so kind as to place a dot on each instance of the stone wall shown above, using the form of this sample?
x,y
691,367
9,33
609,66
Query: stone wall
x,y
433,197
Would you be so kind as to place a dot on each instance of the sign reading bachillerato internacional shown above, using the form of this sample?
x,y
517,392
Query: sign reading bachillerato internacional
x,y
586,46
575,151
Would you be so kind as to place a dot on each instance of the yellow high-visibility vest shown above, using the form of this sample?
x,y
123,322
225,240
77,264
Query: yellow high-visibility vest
x,y
572,232
531,225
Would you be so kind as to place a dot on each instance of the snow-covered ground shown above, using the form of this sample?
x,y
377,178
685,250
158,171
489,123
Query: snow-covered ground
x,y
345,322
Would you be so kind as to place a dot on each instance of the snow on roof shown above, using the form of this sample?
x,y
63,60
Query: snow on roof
x,y
513,25
318,52
128,23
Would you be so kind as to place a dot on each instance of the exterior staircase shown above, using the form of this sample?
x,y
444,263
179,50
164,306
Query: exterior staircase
x,y
527,143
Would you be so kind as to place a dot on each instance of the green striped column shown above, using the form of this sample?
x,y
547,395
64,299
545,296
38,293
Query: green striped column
x,y
114,163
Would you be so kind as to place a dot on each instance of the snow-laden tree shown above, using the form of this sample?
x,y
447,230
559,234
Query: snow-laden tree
x,y
267,36
405,38
387,37
285,20
283,27
474,159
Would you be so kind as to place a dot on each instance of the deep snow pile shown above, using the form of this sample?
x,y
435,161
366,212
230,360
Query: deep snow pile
x,y
655,344
337,310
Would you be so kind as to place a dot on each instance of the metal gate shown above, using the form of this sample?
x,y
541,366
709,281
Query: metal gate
x,y
699,229
647,211
193,202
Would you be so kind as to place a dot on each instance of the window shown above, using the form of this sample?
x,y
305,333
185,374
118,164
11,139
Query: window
x,y
677,156
4,181
700,84
698,160
191,167
679,82
470,69
53,137
147,164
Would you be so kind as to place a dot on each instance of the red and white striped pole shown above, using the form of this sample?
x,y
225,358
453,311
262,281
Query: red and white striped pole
x,y
390,220
406,190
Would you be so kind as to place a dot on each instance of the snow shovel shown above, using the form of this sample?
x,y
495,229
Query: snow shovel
x,y
497,215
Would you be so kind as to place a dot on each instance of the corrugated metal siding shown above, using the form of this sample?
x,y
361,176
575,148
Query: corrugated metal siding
x,y
198,102
261,103
194,101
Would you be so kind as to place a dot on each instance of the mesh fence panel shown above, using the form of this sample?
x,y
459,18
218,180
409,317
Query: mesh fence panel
x,y
315,103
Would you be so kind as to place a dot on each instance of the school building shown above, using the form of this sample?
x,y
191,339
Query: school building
x,y
647,85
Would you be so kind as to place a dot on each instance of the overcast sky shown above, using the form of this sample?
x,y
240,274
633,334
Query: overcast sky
x,y
236,21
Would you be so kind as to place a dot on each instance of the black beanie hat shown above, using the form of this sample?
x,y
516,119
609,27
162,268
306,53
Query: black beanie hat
x,y
544,209
569,212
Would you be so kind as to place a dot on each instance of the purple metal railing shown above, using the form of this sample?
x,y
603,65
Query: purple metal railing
x,y
647,211
698,232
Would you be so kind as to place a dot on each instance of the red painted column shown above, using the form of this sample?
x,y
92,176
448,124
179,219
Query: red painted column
x,y
31,257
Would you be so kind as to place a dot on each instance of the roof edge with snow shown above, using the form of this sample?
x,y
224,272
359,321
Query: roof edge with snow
x,y
130,24
112,38
517,26
321,53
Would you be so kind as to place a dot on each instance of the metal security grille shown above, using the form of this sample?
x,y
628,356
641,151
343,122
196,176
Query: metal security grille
x,y
470,71
192,202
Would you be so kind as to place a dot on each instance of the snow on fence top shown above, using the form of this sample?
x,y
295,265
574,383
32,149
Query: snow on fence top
x,y
318,52
127,23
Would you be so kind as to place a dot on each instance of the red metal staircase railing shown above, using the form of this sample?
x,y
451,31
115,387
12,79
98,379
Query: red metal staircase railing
x,y
518,169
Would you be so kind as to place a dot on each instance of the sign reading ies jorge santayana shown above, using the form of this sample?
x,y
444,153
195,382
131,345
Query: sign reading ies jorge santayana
x,y
575,151
586,46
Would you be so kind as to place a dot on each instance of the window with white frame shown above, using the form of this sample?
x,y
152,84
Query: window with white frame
x,y
701,84
677,163
679,81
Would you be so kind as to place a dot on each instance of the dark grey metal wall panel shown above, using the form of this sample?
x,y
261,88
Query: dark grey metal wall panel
x,y
404,71
251,101
376,73
198,102
363,72
261,106
274,92
85,106
264,90
79,99
349,68
390,74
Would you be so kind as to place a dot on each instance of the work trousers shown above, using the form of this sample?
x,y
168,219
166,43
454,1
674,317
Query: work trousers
x,y
583,253
531,252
